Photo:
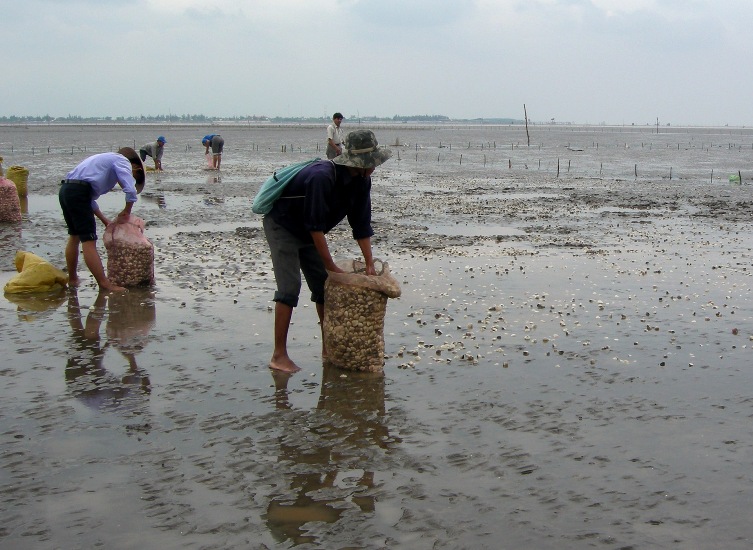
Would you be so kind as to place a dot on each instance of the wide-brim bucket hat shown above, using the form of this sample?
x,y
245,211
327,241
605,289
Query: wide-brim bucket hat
x,y
362,151
134,158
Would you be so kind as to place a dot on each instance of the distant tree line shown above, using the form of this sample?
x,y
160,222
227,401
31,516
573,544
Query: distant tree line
x,y
420,118
130,119
204,119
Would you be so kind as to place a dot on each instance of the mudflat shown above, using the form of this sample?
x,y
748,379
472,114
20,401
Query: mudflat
x,y
569,363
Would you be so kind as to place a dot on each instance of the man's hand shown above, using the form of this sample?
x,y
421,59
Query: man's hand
x,y
333,268
104,219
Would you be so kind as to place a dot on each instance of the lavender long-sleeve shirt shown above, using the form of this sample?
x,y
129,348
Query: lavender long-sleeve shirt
x,y
103,172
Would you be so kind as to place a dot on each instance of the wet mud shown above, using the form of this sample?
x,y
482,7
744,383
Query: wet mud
x,y
569,365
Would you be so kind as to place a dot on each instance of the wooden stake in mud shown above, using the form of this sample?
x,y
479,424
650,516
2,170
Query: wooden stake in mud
x,y
558,167
636,171
525,113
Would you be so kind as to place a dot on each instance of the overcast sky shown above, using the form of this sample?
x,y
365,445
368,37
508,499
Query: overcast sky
x,y
582,61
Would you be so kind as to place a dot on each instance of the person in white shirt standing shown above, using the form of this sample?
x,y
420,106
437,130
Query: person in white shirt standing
x,y
335,136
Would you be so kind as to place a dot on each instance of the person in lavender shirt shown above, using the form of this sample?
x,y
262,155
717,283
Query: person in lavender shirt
x,y
78,195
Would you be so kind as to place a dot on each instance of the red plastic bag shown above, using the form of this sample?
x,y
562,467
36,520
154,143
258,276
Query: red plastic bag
x,y
130,255
10,204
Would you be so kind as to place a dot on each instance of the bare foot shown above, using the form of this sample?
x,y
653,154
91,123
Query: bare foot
x,y
283,364
73,281
114,288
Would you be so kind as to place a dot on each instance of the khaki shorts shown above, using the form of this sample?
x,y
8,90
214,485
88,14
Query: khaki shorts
x,y
290,257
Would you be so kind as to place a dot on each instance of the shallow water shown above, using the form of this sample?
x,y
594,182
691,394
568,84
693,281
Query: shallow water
x,y
571,373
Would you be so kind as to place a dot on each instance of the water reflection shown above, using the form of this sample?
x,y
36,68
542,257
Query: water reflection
x,y
328,454
130,317
37,305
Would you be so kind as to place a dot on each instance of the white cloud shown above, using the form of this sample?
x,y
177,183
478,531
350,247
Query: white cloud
x,y
578,60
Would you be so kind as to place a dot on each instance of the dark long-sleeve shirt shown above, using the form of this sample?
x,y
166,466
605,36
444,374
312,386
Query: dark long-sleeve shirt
x,y
316,200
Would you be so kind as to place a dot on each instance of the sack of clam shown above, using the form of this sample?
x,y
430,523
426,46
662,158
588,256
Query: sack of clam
x,y
10,204
355,305
130,255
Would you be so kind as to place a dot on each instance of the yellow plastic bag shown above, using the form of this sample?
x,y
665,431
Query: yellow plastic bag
x,y
20,176
35,275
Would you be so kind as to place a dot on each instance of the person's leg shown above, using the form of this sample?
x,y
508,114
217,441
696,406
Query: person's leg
x,y
280,360
71,259
75,201
315,274
94,263
218,143
320,313
284,251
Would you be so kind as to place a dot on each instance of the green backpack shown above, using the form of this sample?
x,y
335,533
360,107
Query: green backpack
x,y
271,189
